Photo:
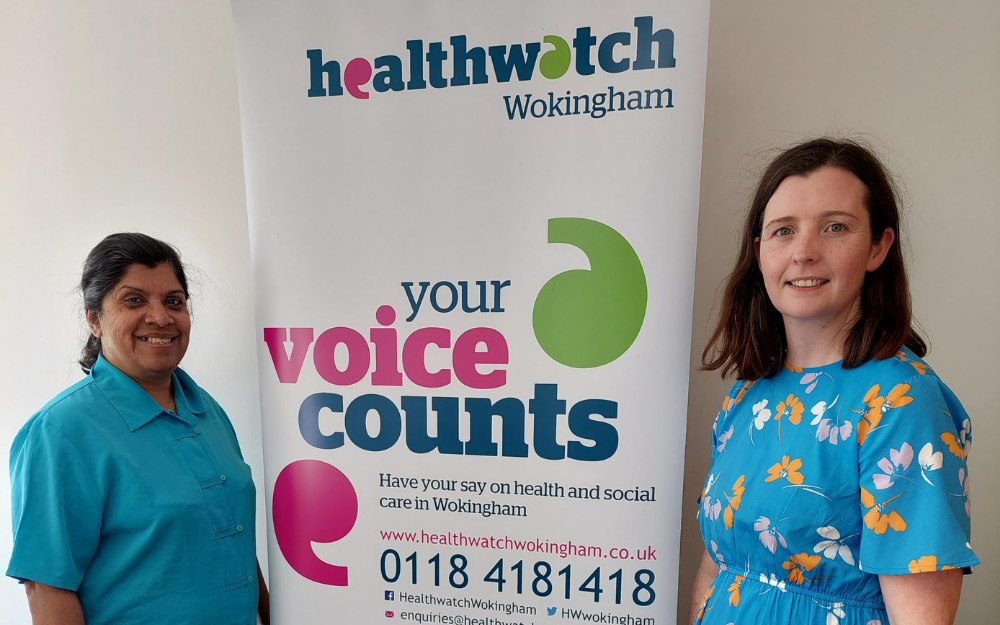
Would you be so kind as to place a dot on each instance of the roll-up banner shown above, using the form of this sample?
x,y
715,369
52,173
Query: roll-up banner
x,y
473,233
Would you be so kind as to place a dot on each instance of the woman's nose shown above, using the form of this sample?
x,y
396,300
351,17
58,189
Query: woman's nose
x,y
157,314
806,248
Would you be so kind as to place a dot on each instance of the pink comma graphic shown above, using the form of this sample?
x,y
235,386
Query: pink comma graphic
x,y
313,502
356,73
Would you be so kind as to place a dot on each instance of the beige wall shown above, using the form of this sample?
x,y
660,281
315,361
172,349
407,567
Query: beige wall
x,y
923,78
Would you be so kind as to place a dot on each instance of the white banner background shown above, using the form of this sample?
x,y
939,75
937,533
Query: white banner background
x,y
349,198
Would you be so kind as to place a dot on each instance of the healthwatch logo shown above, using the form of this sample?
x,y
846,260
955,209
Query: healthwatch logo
x,y
458,64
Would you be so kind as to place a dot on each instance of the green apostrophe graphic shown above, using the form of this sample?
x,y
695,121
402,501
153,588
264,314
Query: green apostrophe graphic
x,y
587,318
554,63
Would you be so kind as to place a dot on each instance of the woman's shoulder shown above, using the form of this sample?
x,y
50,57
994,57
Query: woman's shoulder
x,y
907,383
904,364
903,368
79,399
735,395
61,416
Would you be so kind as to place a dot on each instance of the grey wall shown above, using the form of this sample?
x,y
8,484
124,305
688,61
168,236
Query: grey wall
x,y
923,78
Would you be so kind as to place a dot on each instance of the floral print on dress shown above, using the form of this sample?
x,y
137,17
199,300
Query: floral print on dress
x,y
734,501
788,469
725,436
792,407
835,612
879,406
891,467
920,367
789,513
927,564
709,504
769,536
720,560
730,401
929,460
834,545
880,517
963,479
827,428
820,408
734,591
811,380
923,564
959,445
761,415
704,603
773,582
798,565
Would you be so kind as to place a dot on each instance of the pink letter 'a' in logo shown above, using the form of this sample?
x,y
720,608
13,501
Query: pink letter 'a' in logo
x,y
313,502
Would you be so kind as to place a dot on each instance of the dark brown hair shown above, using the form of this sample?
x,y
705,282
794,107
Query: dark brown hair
x,y
750,336
108,262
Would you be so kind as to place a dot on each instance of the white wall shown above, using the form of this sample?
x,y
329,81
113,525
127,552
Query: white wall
x,y
118,115
124,116
924,78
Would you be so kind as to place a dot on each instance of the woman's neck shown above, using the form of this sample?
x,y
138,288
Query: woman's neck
x,y
812,351
817,343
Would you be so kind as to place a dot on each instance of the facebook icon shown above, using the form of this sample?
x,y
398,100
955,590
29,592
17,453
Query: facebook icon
x,y
390,596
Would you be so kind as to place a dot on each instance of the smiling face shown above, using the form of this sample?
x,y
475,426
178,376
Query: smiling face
x,y
815,248
144,324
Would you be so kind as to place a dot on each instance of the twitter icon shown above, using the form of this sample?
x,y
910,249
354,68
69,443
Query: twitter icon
x,y
551,611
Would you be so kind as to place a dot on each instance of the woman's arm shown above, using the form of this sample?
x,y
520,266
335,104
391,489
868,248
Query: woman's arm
x,y
707,571
925,598
263,600
52,606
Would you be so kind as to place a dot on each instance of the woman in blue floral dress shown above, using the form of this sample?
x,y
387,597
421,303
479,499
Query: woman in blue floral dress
x,y
839,490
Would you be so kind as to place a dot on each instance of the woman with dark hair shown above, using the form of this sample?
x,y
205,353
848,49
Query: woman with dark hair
x,y
131,500
838,491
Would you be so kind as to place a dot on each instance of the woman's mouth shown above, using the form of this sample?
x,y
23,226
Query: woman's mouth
x,y
156,341
808,282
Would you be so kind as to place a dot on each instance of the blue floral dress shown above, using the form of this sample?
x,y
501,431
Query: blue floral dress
x,y
824,478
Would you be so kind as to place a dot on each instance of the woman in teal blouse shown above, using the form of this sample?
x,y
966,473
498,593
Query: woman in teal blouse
x,y
131,500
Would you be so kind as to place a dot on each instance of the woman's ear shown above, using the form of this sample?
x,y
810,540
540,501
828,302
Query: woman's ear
x,y
94,321
880,249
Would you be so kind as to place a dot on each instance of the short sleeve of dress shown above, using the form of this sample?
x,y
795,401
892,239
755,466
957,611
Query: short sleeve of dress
x,y
722,430
56,508
914,438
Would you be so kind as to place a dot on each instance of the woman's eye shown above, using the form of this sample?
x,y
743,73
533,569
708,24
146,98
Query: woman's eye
x,y
176,302
837,228
783,232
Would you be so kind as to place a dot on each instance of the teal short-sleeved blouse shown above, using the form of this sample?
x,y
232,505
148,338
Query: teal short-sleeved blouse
x,y
148,515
